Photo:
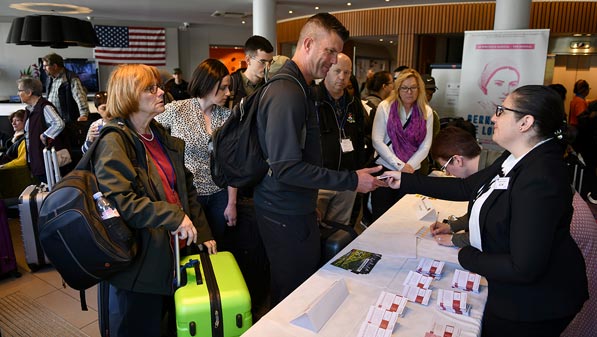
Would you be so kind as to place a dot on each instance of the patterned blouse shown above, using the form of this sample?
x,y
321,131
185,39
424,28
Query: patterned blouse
x,y
186,121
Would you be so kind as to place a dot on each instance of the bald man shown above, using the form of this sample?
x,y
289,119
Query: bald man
x,y
342,125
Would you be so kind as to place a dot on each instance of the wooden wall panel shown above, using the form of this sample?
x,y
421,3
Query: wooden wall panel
x,y
562,17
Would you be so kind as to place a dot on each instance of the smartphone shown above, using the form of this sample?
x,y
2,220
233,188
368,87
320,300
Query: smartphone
x,y
382,177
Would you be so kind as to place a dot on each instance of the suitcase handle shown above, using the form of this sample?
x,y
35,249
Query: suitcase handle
x,y
180,269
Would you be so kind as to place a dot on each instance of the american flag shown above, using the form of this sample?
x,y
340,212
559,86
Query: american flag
x,y
120,44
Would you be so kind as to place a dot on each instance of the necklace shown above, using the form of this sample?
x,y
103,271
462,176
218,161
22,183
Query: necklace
x,y
145,138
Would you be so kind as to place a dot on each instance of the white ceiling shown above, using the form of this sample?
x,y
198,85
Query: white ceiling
x,y
199,12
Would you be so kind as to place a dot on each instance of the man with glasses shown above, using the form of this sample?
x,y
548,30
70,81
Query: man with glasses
x,y
461,156
259,54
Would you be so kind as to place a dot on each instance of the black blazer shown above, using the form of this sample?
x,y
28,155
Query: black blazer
x,y
534,268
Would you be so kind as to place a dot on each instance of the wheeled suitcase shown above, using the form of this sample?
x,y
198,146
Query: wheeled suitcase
x,y
8,260
334,237
213,299
29,205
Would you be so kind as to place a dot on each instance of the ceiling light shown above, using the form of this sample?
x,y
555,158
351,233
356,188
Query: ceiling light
x,y
316,7
348,4
290,12
380,40
243,22
42,7
391,41
387,0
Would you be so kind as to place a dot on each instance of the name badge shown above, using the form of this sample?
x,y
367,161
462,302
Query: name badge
x,y
346,145
502,183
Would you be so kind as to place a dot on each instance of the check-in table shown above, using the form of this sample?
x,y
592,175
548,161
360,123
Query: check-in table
x,y
394,236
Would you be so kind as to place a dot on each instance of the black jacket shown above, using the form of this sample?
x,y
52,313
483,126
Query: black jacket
x,y
352,122
139,195
534,268
289,137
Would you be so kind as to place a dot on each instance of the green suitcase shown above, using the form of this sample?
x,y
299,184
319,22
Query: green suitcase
x,y
215,304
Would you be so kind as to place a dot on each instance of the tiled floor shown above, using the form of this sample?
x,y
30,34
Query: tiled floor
x,y
45,287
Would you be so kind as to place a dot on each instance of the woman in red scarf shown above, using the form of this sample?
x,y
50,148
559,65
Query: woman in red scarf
x,y
402,133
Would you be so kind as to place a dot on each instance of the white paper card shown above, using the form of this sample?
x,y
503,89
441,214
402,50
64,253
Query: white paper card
x,y
414,279
431,267
416,294
323,307
466,280
425,210
392,302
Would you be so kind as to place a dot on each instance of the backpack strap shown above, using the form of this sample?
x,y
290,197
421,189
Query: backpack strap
x,y
280,76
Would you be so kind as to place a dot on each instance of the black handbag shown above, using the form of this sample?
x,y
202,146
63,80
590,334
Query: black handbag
x,y
83,248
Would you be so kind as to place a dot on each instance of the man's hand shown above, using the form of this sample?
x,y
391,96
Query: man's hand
x,y
367,182
82,119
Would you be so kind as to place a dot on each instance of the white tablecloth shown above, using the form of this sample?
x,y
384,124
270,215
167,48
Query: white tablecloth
x,y
393,236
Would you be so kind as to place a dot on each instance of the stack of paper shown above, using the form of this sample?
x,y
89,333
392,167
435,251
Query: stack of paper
x,y
443,329
392,302
416,294
417,280
453,301
466,280
379,323
431,267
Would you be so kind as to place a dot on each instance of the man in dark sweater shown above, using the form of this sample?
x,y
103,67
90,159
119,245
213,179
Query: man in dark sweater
x,y
285,200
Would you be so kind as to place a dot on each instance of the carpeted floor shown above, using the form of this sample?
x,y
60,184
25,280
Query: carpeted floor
x,y
21,316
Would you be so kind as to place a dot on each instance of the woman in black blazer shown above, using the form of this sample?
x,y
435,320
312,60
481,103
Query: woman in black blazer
x,y
520,209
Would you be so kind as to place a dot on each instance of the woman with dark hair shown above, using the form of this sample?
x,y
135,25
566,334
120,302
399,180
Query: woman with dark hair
x,y
154,195
16,154
520,210
193,120
99,100
380,87
578,104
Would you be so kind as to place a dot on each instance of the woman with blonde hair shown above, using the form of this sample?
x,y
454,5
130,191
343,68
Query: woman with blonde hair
x,y
402,134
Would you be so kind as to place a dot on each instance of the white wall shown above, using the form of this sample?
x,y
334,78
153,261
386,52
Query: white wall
x,y
184,49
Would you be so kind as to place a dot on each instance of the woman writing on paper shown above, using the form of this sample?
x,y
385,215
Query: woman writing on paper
x,y
520,209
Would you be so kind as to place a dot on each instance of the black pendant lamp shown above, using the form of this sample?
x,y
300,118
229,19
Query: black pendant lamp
x,y
52,31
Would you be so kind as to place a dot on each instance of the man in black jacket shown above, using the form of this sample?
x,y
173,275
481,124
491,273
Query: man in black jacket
x,y
285,200
342,123
259,54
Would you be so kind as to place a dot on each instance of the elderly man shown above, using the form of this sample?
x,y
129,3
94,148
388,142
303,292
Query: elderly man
x,y
285,200
342,124
43,125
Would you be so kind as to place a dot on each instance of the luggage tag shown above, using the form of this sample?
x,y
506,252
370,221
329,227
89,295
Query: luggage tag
x,y
346,145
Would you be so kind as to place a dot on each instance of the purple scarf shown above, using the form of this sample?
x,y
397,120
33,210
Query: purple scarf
x,y
406,141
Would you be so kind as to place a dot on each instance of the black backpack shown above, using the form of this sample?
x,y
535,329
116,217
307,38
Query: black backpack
x,y
236,158
83,248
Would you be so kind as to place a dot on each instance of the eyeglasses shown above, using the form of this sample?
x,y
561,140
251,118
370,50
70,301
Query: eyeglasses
x,y
499,110
407,89
443,168
263,62
153,89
